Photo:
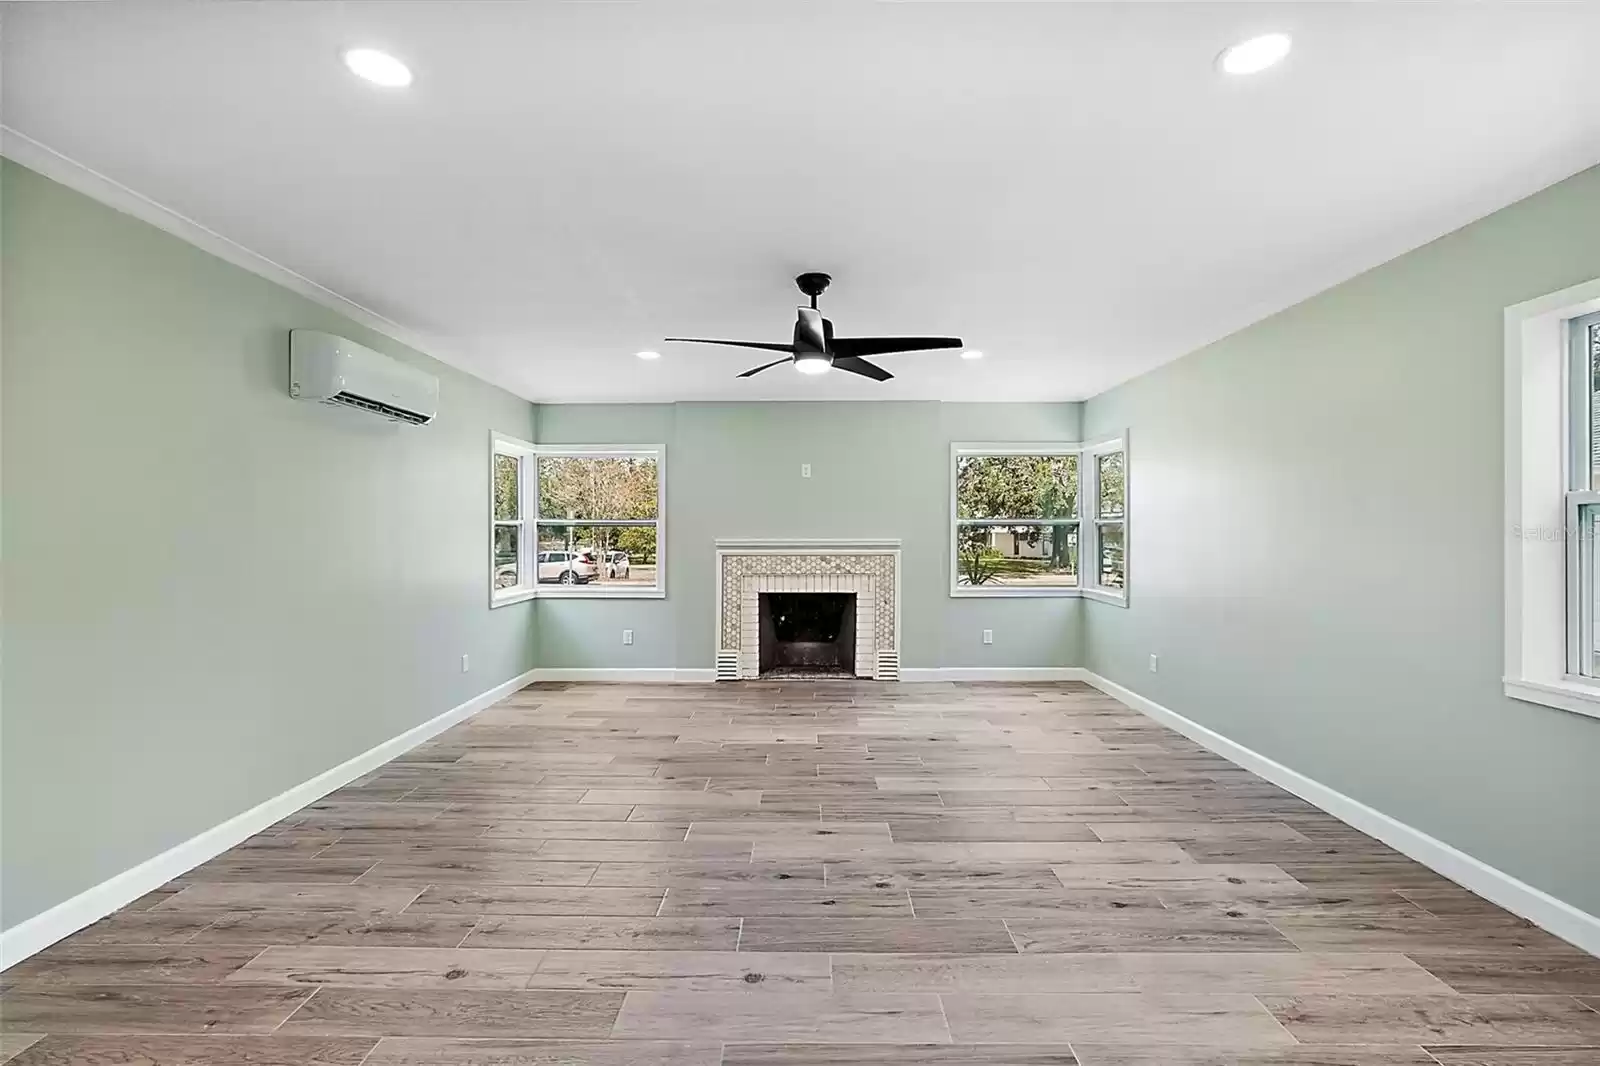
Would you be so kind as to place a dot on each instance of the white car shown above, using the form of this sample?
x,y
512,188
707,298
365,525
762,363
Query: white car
x,y
567,567
616,564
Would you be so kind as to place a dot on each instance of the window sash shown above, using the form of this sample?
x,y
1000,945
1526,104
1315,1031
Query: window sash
x,y
1584,431
1072,525
1583,508
1067,531
1583,499
1093,546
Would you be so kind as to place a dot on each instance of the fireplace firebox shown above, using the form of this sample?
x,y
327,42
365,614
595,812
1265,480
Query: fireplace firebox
x,y
808,634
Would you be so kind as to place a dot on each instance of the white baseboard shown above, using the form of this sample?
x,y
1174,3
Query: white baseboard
x,y
947,673
1539,907
89,906
994,673
639,675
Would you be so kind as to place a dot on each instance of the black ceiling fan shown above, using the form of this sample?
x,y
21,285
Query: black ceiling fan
x,y
815,348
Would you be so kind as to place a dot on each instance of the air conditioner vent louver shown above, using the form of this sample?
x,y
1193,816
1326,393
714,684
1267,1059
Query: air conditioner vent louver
x,y
389,411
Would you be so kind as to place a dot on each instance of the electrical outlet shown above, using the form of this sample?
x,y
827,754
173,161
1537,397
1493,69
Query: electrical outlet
x,y
1155,662
465,664
988,636
627,636
805,469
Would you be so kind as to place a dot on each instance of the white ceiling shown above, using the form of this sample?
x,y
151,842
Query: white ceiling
x,y
1072,188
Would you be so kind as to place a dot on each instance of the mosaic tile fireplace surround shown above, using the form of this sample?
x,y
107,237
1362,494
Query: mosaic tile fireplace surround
x,y
868,569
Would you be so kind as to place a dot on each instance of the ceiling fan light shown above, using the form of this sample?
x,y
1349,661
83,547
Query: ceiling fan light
x,y
1256,54
815,364
380,68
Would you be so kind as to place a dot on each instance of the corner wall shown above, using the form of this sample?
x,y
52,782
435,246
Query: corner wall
x,y
1317,523
878,470
213,593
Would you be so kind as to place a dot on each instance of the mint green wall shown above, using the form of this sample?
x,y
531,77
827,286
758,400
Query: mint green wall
x,y
878,470
1317,527
212,592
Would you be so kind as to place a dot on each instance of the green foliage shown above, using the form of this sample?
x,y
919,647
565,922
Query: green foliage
x,y
638,541
579,487
1113,488
505,487
1017,486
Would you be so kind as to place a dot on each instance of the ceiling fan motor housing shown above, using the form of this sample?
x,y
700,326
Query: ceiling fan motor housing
x,y
812,283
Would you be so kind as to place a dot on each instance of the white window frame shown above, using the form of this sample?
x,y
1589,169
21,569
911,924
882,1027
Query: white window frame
x,y
1083,519
1089,539
528,541
1545,562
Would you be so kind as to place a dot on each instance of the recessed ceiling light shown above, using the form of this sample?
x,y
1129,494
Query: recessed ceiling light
x,y
380,68
649,355
813,365
1256,54
971,353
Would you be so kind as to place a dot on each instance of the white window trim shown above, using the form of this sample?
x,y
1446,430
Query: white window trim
x,y
1083,519
1538,458
528,543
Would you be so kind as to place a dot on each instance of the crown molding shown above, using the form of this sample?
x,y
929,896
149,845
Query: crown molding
x,y
79,177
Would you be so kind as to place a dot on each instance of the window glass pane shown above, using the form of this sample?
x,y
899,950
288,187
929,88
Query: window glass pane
x,y
1594,403
506,498
1589,526
1017,486
1021,556
578,487
506,566
1111,487
1113,566
598,555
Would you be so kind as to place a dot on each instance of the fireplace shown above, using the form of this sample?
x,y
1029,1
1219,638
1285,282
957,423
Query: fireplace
x,y
865,572
807,634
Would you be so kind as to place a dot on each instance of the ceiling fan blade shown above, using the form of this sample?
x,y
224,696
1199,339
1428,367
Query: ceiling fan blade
x,y
765,366
737,344
860,366
890,345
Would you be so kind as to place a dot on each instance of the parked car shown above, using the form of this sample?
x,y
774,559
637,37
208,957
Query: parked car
x,y
616,564
567,567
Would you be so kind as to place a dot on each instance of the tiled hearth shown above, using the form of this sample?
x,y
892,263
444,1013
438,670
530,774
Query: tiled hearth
x,y
869,569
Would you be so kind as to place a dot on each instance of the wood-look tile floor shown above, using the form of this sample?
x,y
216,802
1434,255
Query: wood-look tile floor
x,y
791,874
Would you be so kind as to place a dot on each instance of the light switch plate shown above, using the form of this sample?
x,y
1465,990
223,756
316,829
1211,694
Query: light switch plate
x,y
627,636
988,636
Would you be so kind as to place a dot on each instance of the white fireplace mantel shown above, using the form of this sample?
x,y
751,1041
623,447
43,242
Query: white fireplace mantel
x,y
802,545
868,568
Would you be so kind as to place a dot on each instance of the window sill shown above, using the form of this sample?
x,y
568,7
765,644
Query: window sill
x,y
967,592
578,593
1576,697
585,592
1115,599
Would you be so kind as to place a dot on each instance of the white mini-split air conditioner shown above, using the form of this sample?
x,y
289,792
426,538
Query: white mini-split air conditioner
x,y
330,369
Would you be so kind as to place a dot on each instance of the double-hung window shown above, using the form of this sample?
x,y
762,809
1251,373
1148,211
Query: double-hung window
x,y
1039,520
1552,499
1015,521
1107,539
1583,495
577,521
